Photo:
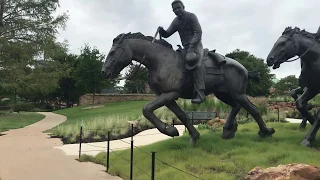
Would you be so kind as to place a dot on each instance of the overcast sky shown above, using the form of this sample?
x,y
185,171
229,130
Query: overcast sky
x,y
250,25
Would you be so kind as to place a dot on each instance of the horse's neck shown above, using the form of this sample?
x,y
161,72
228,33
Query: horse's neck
x,y
152,52
308,44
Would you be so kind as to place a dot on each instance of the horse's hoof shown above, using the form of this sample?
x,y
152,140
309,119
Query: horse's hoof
x,y
193,139
306,143
171,131
267,133
228,134
303,125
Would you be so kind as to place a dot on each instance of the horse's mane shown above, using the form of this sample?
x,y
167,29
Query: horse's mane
x,y
290,31
139,35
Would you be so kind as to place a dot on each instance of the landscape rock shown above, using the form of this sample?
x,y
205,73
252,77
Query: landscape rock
x,y
216,122
285,172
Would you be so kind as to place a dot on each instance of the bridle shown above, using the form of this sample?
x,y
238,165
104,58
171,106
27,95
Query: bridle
x,y
143,58
296,44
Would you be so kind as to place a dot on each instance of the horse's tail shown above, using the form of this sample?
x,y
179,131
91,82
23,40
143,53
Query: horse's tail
x,y
254,75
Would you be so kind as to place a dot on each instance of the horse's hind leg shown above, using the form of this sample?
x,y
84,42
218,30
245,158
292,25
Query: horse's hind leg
x,y
230,127
243,100
184,119
161,100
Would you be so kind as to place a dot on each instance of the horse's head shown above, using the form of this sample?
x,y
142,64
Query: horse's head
x,y
118,58
285,48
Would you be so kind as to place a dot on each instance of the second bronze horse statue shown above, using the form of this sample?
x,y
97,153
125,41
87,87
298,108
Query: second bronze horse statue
x,y
292,42
169,80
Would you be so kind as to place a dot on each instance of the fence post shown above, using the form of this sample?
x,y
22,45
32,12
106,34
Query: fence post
x,y
131,158
108,152
278,114
153,165
80,139
173,124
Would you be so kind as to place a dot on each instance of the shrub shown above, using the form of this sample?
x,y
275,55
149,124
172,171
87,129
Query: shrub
x,y
22,106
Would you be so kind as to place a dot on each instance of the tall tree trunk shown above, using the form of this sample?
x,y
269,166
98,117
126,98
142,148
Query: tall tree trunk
x,y
1,12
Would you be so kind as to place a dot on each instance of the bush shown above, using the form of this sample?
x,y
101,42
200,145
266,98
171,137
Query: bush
x,y
5,102
23,106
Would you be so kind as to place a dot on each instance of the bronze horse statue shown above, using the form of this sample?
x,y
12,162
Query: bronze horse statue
x,y
169,80
292,42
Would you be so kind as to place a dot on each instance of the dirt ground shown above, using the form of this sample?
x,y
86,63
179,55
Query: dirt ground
x,y
28,154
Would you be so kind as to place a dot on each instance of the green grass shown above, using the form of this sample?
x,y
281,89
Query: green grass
x,y
127,108
215,158
18,120
114,117
105,118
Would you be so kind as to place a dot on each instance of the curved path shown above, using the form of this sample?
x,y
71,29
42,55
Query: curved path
x,y
27,153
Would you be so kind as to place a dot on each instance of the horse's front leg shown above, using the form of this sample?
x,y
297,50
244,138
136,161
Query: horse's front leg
x,y
161,100
194,134
311,135
295,93
302,102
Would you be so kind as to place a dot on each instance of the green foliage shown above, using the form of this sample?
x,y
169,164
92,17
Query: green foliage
x,y
138,81
253,63
88,72
213,157
286,84
30,21
23,106
28,32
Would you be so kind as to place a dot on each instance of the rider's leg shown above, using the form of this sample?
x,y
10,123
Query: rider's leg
x,y
198,76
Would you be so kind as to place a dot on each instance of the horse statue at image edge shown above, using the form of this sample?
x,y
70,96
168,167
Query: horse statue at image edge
x,y
296,42
169,79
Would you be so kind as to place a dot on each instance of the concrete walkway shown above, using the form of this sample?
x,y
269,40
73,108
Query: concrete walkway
x,y
143,138
28,154
291,120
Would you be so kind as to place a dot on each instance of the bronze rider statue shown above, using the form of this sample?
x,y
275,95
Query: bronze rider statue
x,y
189,29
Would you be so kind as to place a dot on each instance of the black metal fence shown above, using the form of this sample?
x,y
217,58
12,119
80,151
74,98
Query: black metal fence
x,y
151,155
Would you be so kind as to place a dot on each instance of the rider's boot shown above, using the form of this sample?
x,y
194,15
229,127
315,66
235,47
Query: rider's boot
x,y
201,97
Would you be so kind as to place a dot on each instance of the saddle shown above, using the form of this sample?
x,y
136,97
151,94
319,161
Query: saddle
x,y
207,55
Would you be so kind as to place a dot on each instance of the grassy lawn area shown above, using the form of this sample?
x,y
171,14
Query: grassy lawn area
x,y
114,117
215,158
18,120
127,108
103,118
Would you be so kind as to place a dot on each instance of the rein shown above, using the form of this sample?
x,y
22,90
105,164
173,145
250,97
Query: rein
x,y
143,58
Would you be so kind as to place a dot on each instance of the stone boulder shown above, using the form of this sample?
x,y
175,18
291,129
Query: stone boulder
x,y
216,122
285,172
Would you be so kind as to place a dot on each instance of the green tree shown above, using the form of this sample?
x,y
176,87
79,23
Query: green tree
x,y
286,84
27,32
138,79
67,90
253,63
88,73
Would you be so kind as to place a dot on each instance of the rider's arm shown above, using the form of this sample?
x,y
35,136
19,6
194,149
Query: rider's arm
x,y
197,32
171,29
